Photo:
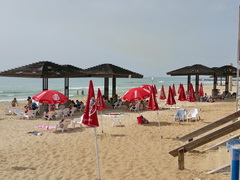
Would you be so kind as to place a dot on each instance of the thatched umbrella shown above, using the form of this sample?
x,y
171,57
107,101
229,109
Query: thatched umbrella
x,y
196,70
45,70
111,71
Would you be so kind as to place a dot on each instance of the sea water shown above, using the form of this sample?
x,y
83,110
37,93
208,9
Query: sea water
x,y
21,88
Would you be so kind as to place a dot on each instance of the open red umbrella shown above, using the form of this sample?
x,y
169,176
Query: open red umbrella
x,y
99,101
152,104
146,86
191,94
200,92
162,93
90,112
181,92
136,94
174,90
50,97
170,99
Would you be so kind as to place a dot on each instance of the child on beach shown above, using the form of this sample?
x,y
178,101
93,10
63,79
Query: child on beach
x,y
14,102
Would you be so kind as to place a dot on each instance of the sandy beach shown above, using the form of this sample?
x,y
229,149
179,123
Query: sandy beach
x,y
129,152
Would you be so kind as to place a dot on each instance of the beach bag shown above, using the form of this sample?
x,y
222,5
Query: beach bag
x,y
140,119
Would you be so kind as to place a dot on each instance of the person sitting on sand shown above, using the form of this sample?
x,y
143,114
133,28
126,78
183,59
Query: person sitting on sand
x,y
14,102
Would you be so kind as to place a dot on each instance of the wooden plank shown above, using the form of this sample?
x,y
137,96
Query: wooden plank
x,y
181,159
210,126
224,168
222,142
207,138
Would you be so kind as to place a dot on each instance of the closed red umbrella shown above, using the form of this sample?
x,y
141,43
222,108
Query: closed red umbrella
x,y
174,90
191,97
200,92
152,104
155,89
50,97
136,94
99,101
162,93
179,88
170,98
181,92
90,112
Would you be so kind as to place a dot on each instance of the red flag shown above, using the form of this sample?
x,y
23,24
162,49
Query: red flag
x,y
181,92
100,102
152,104
201,93
170,98
174,90
162,93
90,113
191,94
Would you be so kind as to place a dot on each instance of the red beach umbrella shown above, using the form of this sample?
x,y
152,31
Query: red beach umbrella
x,y
170,98
136,94
152,104
146,86
99,101
179,88
201,93
50,97
162,93
90,113
191,94
181,92
174,90
155,89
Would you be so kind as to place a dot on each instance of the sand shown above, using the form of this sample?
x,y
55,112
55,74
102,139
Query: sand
x,y
125,153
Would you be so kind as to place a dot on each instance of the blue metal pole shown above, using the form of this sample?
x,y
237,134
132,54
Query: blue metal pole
x,y
235,163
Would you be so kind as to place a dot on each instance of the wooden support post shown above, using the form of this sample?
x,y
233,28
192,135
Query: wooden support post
x,y
181,158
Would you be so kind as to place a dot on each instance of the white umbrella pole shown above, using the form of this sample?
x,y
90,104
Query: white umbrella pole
x,y
159,125
97,157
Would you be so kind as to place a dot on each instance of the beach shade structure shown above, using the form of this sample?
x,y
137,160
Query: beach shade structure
x,y
174,90
136,94
201,93
181,92
100,104
162,93
170,99
191,97
90,119
50,97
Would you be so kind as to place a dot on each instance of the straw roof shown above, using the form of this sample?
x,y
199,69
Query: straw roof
x,y
45,69
196,69
110,70
227,70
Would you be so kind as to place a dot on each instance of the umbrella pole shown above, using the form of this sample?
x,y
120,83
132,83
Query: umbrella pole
x,y
101,122
97,157
159,124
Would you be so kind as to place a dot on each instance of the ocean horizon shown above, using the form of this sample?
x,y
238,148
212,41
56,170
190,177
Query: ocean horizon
x,y
21,88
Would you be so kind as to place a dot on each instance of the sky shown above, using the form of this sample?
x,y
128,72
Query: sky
x,y
150,37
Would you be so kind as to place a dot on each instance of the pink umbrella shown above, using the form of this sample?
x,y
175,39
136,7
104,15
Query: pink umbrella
x,y
99,101
174,90
201,93
136,94
90,112
162,94
191,94
170,98
50,97
181,92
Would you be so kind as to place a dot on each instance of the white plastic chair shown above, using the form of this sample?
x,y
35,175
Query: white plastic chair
x,y
193,115
64,124
72,111
59,113
65,112
9,110
76,121
29,115
181,115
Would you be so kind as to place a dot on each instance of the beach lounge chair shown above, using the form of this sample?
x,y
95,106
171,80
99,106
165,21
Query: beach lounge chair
x,y
193,115
76,121
9,110
29,115
72,111
63,124
180,115
59,113
65,112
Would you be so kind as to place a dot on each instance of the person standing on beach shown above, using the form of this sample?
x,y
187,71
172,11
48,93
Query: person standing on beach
x,y
14,102
83,92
